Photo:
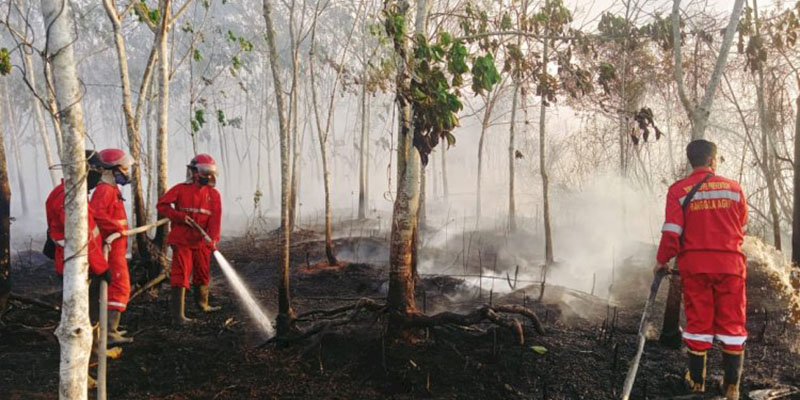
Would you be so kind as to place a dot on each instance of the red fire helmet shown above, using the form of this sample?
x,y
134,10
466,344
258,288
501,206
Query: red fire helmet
x,y
204,164
111,158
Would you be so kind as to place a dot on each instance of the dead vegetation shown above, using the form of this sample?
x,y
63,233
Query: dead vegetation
x,y
468,342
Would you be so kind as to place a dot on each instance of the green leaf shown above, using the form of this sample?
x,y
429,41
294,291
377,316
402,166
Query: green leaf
x,y
451,140
484,74
445,38
200,116
5,62
196,55
154,15
539,350
505,23
236,62
221,118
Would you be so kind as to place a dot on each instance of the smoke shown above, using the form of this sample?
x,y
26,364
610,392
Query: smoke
x,y
594,228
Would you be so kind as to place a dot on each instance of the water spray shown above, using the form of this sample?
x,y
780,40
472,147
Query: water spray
x,y
252,307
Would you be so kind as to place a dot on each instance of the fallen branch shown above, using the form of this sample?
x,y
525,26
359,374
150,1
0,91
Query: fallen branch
x,y
366,303
33,301
340,316
155,281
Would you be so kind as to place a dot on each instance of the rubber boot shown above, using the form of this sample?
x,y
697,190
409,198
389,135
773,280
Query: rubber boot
x,y
115,336
111,352
695,378
176,304
201,293
91,383
732,364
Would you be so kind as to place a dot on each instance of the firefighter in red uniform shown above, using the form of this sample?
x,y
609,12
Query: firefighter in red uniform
x,y
54,207
109,213
197,200
706,237
98,267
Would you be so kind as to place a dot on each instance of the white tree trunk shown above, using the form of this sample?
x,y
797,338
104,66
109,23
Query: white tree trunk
x,y
15,149
163,112
40,124
163,100
74,332
699,113
53,108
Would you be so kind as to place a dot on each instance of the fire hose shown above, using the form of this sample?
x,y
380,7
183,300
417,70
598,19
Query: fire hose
x,y
631,377
101,356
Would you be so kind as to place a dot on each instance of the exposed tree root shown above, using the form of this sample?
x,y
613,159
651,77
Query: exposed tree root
x,y
490,313
326,320
33,301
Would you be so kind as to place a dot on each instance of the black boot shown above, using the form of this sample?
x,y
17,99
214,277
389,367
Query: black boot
x,y
696,375
732,363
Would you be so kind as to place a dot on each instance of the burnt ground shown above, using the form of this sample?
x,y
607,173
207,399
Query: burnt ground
x,y
221,357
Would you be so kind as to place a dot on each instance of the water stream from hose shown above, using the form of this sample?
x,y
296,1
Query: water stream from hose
x,y
256,313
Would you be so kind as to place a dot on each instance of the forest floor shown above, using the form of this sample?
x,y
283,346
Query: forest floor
x,y
583,355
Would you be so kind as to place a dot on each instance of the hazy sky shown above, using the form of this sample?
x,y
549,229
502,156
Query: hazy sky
x,y
590,9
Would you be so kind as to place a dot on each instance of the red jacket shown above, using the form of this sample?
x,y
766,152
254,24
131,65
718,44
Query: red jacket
x,y
713,227
109,210
54,207
200,202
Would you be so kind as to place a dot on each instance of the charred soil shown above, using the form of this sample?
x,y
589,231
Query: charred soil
x,y
583,355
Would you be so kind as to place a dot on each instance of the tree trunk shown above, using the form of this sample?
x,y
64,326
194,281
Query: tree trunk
x,y
404,223
698,115
400,298
143,245
512,212
52,107
445,184
74,331
484,127
363,155
40,124
15,149
5,224
285,312
766,154
162,139
293,113
796,203
322,135
548,236
423,189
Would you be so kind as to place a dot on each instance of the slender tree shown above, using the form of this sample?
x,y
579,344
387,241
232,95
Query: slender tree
x,y
5,221
163,111
74,330
698,116
285,313
14,134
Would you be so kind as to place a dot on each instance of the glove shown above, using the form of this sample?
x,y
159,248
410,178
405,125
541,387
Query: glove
x,y
106,276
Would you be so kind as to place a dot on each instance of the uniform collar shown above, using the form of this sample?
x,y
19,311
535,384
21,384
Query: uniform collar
x,y
702,171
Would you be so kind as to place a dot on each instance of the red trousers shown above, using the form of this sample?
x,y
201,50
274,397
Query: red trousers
x,y
119,291
716,307
186,261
